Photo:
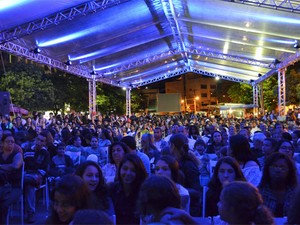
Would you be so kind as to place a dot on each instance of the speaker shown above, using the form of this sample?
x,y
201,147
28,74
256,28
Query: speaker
x,y
4,103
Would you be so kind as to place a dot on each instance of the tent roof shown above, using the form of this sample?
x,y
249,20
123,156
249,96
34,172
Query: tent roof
x,y
130,43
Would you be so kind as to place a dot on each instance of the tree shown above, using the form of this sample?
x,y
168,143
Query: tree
x,y
292,78
241,93
28,87
270,93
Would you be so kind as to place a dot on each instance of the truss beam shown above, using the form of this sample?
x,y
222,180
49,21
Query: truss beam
x,y
281,92
284,5
210,74
170,13
92,97
255,98
128,102
218,55
57,18
162,77
142,62
24,52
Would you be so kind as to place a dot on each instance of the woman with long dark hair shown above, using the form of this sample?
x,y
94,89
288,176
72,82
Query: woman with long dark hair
x,y
240,150
92,175
226,170
124,192
179,148
278,183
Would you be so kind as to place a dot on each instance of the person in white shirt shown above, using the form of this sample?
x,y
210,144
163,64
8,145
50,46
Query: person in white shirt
x,y
159,142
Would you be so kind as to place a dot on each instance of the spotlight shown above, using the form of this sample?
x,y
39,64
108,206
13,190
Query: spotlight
x,y
296,45
68,63
93,73
217,78
259,75
37,50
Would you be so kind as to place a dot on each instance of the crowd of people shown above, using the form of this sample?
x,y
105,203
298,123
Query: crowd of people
x,y
152,169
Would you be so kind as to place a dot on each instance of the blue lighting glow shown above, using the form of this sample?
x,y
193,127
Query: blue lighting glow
x,y
288,42
69,37
4,4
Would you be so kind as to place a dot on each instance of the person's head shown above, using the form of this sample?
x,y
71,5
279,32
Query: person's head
x,y
232,130
132,171
130,142
241,203
179,145
269,146
217,137
147,141
183,130
286,146
91,216
240,148
69,195
175,128
156,194
8,142
245,133
77,141
105,134
263,127
92,175
41,140
157,133
258,139
193,130
167,166
94,142
279,167
116,152
200,146
226,170
61,149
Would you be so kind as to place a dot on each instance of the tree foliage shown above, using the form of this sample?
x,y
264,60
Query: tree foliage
x,y
29,88
270,93
241,93
292,89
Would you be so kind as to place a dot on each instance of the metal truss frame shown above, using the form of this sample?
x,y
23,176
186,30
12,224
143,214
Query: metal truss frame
x,y
255,98
142,62
170,13
281,92
92,96
57,18
202,72
219,55
24,52
128,101
163,77
284,5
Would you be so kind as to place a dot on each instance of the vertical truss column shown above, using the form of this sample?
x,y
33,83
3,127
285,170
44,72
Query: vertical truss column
x,y
261,98
128,102
281,92
255,99
92,97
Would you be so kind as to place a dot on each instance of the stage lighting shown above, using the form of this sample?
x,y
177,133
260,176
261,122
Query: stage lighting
x,y
37,50
259,75
296,45
68,63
